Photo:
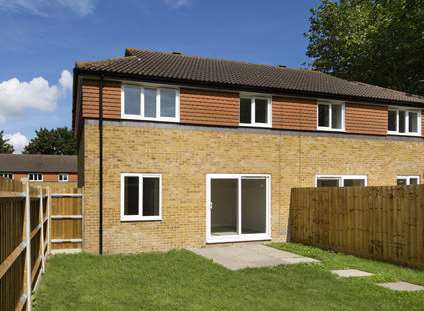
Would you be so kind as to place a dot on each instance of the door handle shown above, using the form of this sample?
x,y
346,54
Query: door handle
x,y
211,205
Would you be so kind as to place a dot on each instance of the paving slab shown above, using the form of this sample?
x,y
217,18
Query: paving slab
x,y
250,256
349,273
402,286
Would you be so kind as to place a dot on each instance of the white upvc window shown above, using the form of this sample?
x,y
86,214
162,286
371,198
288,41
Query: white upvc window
x,y
63,177
255,111
150,103
341,181
407,180
35,177
141,197
331,116
6,175
404,121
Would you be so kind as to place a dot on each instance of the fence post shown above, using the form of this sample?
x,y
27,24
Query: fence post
x,y
49,221
41,214
28,246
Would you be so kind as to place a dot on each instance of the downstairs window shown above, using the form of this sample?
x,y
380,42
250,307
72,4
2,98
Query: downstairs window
x,y
341,181
407,180
141,196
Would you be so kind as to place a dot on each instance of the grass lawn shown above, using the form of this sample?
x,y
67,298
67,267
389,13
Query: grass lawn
x,y
181,280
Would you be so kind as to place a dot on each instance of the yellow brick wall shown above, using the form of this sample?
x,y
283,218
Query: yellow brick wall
x,y
185,155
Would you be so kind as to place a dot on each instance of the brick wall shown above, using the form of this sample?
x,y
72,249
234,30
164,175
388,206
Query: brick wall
x,y
185,155
47,177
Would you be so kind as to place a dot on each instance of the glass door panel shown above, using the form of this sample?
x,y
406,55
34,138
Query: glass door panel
x,y
253,205
224,206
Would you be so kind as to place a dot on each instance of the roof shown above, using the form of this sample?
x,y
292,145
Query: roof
x,y
152,65
38,163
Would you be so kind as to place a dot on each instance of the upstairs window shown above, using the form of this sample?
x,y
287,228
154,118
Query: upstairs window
x,y
35,177
407,180
403,121
341,181
63,177
150,103
6,175
255,111
141,197
331,116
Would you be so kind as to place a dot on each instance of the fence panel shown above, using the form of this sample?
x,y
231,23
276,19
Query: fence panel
x,y
26,227
384,223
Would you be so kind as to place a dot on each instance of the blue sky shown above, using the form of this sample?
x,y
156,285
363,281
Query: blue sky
x,y
42,40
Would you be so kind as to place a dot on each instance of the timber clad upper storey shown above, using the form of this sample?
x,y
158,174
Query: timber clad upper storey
x,y
167,87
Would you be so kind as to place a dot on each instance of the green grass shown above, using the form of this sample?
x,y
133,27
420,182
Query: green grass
x,y
181,280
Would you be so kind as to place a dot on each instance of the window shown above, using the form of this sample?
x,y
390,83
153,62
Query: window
x,y
63,177
402,121
150,103
331,116
35,177
407,180
341,181
255,111
6,175
141,197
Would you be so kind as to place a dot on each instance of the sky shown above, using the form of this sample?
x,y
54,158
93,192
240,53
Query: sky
x,y
40,41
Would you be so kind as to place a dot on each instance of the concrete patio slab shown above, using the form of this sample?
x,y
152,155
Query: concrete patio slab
x,y
349,273
402,286
250,256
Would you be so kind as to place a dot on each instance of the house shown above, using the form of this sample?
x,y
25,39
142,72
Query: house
x,y
39,168
184,151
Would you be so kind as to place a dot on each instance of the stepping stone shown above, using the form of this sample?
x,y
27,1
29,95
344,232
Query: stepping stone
x,y
402,286
348,273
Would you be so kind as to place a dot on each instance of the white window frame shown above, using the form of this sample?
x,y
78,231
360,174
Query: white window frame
x,y
253,122
7,175
406,110
408,179
35,174
341,178
330,116
139,217
63,179
239,237
141,116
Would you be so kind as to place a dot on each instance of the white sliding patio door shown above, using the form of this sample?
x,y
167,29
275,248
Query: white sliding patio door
x,y
238,207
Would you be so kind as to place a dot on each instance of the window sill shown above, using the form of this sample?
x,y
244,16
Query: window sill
x,y
139,118
255,125
403,134
327,129
141,219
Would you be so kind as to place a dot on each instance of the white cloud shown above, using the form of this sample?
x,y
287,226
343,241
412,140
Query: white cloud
x,y
41,7
66,80
17,140
176,4
16,96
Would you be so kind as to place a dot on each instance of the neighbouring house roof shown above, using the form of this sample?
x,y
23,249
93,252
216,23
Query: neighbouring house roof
x,y
172,67
37,163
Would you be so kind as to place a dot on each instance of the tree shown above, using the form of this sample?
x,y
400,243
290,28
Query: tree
x,y
54,141
5,147
373,41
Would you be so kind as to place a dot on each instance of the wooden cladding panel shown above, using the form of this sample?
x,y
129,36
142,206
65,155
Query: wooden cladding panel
x,y
294,113
111,99
209,107
366,119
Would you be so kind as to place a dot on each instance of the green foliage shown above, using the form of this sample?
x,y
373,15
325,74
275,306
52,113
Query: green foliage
x,y
5,147
55,141
373,41
181,280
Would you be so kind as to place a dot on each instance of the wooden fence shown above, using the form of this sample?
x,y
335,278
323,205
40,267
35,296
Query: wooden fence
x,y
383,223
27,233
